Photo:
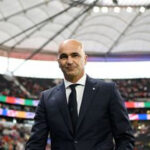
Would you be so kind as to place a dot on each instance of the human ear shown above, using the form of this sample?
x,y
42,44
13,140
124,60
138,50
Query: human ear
x,y
85,58
58,61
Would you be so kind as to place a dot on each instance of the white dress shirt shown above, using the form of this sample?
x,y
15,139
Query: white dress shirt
x,y
79,90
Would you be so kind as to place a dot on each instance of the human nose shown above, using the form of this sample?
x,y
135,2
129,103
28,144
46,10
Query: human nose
x,y
69,60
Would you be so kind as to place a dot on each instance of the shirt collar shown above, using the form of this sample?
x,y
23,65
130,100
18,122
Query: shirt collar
x,y
81,81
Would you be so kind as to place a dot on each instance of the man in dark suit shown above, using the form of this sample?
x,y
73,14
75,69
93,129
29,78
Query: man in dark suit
x,y
81,113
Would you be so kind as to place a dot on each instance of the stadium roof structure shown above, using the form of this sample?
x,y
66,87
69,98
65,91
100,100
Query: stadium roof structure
x,y
111,30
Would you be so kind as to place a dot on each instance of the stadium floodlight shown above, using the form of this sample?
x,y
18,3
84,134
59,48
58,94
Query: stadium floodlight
x,y
129,9
116,9
142,9
96,9
104,9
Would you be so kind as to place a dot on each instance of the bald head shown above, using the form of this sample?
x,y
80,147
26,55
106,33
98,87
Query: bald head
x,y
72,43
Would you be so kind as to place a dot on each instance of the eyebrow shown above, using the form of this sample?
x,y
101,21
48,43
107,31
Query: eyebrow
x,y
66,55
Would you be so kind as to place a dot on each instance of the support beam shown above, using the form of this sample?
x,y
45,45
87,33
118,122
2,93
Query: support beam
x,y
24,11
121,34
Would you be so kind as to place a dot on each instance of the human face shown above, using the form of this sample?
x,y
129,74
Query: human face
x,y
72,59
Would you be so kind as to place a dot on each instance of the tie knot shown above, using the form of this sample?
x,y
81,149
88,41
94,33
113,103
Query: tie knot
x,y
72,86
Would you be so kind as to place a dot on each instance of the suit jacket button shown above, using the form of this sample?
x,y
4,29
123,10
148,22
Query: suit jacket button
x,y
75,142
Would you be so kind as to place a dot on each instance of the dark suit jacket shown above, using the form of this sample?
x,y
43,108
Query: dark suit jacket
x,y
103,122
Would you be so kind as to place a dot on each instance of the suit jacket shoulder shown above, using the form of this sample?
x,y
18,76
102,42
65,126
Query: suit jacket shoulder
x,y
47,93
101,83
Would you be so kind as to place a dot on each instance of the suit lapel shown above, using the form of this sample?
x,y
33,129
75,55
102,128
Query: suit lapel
x,y
62,104
87,98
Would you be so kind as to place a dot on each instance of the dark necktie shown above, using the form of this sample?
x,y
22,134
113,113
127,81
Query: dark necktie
x,y
72,106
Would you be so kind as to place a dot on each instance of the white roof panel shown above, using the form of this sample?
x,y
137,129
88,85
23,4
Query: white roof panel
x,y
27,22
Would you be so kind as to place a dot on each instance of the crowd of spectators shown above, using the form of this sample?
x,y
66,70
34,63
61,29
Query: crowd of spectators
x,y
142,134
131,89
32,85
9,88
17,107
35,86
14,137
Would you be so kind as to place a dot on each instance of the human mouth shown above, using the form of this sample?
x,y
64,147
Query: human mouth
x,y
70,68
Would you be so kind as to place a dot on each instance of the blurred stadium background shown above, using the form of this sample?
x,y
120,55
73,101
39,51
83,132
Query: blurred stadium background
x,y
116,37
